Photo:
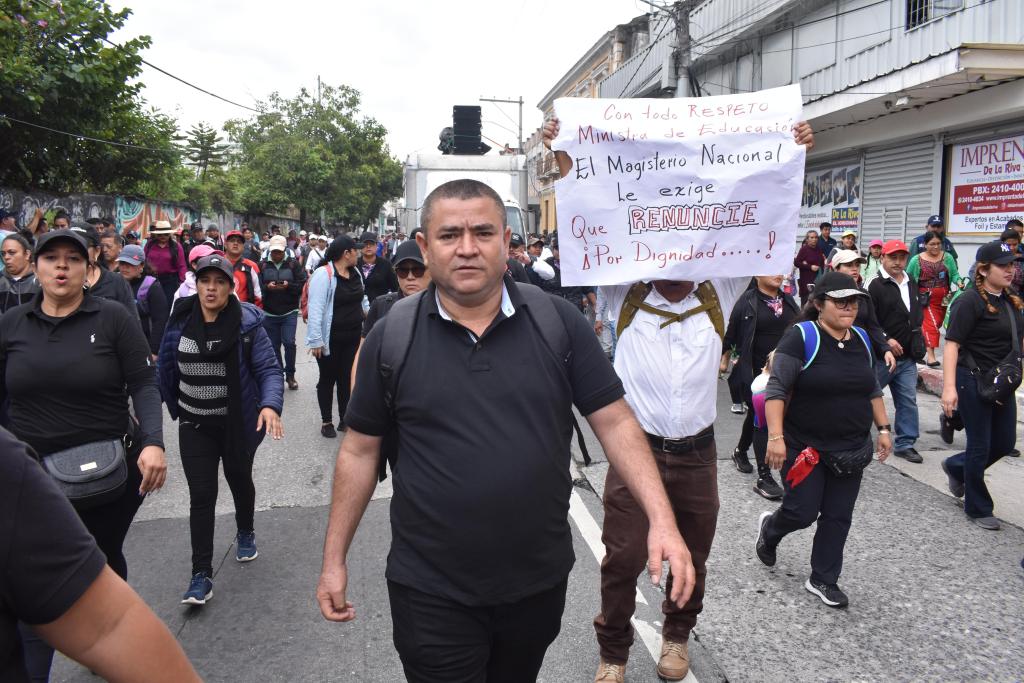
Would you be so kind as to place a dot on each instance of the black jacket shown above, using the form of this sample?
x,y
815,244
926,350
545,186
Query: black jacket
x,y
382,278
898,323
518,271
282,301
740,334
867,320
113,286
153,314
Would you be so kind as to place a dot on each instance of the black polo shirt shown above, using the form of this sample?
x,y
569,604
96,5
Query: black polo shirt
x,y
69,378
47,558
482,485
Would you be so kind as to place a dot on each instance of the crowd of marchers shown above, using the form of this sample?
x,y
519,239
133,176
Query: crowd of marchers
x,y
453,359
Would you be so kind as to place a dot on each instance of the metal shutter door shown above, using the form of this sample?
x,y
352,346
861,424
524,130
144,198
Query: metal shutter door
x,y
898,185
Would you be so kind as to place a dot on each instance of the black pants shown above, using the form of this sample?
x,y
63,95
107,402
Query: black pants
x,y
441,641
747,431
824,497
109,525
336,372
202,449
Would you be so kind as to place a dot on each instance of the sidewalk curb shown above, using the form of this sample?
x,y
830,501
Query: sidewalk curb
x,y
930,381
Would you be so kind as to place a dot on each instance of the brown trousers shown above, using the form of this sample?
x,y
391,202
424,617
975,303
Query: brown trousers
x,y
691,481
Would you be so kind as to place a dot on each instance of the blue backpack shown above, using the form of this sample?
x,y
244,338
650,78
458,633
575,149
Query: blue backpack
x,y
812,342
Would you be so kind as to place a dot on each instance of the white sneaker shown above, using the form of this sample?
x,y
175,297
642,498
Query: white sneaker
x,y
738,408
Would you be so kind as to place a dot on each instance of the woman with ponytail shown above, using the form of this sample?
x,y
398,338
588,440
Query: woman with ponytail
x,y
985,332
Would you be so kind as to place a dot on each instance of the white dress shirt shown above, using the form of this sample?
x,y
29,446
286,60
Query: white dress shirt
x,y
904,286
671,373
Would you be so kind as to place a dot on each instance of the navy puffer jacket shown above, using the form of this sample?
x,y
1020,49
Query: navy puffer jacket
x,y
262,382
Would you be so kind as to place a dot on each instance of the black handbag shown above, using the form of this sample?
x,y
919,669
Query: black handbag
x,y
848,462
998,383
91,474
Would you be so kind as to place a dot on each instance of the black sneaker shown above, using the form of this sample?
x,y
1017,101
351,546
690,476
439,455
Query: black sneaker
x,y
765,553
341,426
956,487
742,461
767,487
327,430
909,454
1013,454
828,592
945,428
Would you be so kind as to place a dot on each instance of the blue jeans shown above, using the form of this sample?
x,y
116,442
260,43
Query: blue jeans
x,y
281,330
991,434
902,383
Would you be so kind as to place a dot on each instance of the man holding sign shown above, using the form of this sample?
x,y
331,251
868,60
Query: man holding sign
x,y
664,197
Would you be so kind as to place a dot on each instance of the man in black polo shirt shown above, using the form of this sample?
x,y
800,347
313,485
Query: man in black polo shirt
x,y
481,545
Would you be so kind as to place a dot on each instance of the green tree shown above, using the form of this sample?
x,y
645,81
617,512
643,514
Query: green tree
x,y
317,153
205,149
56,72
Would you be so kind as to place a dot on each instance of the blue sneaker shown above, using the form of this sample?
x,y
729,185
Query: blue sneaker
x,y
246,551
199,590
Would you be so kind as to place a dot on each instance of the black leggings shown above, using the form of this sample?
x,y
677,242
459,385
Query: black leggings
x,y
202,449
336,373
109,525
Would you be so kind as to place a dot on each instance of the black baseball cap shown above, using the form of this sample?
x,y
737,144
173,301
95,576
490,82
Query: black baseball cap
x,y
837,286
215,262
408,251
48,239
88,232
367,237
516,240
995,252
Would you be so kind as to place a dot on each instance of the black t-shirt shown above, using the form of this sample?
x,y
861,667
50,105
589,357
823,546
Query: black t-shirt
x,y
47,558
773,318
830,406
482,485
985,335
348,304
69,378
378,309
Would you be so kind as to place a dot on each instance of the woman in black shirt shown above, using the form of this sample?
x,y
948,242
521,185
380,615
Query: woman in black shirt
x,y
150,299
757,322
979,335
69,363
335,322
825,402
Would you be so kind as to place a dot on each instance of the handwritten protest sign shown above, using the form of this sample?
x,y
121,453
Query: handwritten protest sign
x,y
679,189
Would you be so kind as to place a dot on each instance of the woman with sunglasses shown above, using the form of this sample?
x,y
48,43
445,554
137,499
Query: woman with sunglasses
x,y
836,380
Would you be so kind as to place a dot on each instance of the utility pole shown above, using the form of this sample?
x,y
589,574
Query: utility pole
x,y
681,15
519,142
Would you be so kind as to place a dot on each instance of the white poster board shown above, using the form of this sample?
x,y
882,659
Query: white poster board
x,y
679,189
986,185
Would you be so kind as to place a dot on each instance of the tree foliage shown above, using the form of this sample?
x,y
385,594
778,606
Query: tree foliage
x,y
204,148
317,153
58,73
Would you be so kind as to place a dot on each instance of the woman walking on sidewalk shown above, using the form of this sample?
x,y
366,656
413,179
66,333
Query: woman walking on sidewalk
x,y
219,374
821,399
809,261
934,270
986,328
336,312
761,315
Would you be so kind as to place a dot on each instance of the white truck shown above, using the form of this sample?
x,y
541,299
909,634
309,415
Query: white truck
x,y
505,173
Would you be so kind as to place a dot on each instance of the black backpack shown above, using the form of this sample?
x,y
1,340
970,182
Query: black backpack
x,y
400,326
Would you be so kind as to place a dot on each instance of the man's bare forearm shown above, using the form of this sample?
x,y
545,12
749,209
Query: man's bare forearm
x,y
355,476
629,453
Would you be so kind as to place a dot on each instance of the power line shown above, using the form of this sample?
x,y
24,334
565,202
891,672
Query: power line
x,y
644,57
844,92
79,136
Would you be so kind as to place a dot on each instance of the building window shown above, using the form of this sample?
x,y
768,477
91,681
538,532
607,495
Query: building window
x,y
922,11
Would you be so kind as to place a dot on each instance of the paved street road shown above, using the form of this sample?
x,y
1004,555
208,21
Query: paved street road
x,y
932,597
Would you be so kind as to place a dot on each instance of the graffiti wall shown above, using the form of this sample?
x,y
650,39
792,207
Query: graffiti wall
x,y
79,206
139,214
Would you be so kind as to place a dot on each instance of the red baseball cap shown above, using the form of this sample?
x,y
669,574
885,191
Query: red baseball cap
x,y
234,233
893,247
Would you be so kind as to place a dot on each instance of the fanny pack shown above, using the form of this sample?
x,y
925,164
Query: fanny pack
x,y
91,474
997,383
847,462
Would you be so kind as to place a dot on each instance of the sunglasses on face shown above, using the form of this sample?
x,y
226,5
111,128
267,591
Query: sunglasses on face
x,y
416,271
848,302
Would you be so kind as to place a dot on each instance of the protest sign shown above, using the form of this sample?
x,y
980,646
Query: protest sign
x,y
679,189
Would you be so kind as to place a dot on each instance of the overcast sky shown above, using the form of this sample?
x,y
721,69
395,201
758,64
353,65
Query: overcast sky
x,y
410,59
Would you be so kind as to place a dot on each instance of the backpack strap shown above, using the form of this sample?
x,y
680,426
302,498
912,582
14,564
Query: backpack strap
x,y
143,293
706,295
812,342
399,326
634,300
867,344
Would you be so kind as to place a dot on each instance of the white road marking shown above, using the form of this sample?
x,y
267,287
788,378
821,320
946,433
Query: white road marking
x,y
591,533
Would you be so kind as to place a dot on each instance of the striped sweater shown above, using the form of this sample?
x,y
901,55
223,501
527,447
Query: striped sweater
x,y
202,385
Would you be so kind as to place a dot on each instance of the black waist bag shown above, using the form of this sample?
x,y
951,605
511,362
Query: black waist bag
x,y
998,383
852,461
91,474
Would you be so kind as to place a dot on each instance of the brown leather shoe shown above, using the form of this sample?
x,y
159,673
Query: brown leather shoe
x,y
610,673
674,663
